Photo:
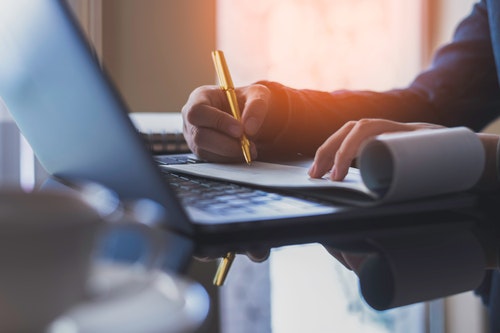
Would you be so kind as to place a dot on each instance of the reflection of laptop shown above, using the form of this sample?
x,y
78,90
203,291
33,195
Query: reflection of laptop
x,y
79,129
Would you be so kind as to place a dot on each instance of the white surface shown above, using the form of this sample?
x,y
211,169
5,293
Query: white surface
x,y
269,175
157,122
415,164
465,313
423,163
313,292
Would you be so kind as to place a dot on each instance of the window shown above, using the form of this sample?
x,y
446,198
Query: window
x,y
325,45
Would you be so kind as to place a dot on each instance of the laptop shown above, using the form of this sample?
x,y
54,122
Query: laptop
x,y
79,129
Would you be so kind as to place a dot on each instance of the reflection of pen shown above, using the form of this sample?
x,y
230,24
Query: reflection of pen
x,y
223,269
226,84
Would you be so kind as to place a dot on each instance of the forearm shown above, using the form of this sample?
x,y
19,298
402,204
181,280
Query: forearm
x,y
299,121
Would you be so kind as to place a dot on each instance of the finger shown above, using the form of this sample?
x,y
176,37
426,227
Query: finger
x,y
362,131
354,261
211,145
204,116
337,255
207,106
325,154
418,125
255,101
258,255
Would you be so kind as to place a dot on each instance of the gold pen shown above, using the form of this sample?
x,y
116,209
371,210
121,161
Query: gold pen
x,y
226,84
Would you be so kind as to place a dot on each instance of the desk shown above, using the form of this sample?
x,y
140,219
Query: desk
x,y
303,289
306,290
305,295
380,237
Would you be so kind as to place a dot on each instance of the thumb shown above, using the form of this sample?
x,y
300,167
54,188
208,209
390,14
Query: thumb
x,y
257,99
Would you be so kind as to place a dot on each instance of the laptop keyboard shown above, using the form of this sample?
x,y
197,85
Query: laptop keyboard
x,y
208,200
177,159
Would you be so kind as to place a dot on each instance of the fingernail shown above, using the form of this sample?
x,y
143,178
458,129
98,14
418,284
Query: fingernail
x,y
312,170
251,126
333,175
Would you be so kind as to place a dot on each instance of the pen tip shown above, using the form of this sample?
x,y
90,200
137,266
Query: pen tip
x,y
246,154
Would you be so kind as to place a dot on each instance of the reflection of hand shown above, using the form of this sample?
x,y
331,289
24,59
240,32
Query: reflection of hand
x,y
350,260
339,151
212,132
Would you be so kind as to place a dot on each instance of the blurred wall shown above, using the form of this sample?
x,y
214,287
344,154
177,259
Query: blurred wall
x,y
443,17
158,51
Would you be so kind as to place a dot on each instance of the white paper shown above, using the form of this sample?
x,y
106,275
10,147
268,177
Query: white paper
x,y
422,163
270,175
393,167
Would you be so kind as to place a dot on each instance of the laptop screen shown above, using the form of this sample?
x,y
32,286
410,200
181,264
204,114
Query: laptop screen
x,y
67,109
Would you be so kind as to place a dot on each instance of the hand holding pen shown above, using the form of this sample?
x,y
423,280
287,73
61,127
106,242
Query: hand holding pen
x,y
226,84
214,134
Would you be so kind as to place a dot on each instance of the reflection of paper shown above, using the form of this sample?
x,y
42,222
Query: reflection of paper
x,y
420,267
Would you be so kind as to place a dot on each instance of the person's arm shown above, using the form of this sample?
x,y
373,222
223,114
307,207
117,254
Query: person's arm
x,y
460,88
